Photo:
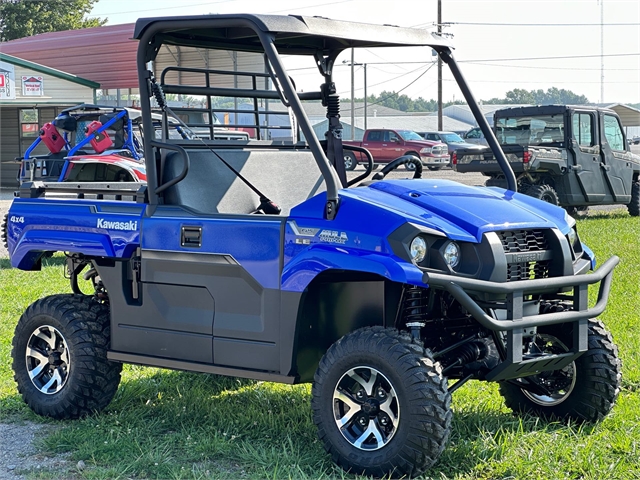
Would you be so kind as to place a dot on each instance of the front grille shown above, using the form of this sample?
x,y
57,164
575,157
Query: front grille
x,y
527,270
438,150
518,241
524,241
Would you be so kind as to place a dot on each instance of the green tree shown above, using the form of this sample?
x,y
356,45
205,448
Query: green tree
x,y
560,96
23,18
539,97
403,103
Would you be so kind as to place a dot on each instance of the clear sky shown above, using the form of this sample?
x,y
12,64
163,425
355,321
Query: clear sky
x,y
488,37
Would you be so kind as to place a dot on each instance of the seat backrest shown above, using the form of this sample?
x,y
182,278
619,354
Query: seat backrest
x,y
287,177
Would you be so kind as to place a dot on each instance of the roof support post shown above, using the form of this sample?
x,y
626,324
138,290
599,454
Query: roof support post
x,y
447,57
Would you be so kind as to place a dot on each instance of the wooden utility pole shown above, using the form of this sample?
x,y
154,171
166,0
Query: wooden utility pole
x,y
440,128
365,96
601,51
353,92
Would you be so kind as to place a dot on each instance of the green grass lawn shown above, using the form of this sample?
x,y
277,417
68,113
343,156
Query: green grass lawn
x,y
166,424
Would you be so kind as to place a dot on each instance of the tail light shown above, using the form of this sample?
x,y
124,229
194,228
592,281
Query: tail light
x,y
526,156
454,158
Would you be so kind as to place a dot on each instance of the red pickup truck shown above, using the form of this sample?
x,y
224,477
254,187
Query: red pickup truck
x,y
386,145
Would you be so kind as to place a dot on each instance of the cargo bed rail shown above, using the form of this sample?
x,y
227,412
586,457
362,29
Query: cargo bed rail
x,y
120,190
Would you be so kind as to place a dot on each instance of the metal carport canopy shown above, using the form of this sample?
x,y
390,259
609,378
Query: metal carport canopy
x,y
629,116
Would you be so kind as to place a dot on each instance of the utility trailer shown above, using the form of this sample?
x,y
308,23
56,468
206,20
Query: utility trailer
x,y
260,260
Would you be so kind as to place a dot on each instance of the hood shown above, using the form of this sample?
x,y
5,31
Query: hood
x,y
424,143
461,211
465,145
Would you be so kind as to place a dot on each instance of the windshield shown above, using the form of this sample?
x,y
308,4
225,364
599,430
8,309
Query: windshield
x,y
409,135
451,138
531,130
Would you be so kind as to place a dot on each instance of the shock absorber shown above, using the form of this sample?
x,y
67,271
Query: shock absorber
x,y
158,93
415,307
333,106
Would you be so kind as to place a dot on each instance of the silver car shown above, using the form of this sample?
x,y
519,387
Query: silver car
x,y
476,136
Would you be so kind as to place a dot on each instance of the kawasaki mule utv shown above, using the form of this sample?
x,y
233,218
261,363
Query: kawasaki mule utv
x,y
261,260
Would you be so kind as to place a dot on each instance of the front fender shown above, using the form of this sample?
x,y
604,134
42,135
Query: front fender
x,y
299,273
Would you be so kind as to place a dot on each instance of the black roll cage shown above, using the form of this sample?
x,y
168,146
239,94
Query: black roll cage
x,y
272,35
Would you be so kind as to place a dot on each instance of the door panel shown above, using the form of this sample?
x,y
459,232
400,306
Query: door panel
x,y
616,166
236,260
586,161
393,145
373,142
175,322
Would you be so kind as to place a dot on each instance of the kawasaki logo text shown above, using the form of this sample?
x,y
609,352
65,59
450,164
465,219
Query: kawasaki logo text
x,y
126,226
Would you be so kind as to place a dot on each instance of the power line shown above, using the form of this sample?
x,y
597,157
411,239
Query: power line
x,y
542,24
288,10
514,59
163,8
546,83
395,78
473,62
402,89
549,58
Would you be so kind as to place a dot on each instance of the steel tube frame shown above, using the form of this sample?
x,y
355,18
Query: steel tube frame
x,y
456,286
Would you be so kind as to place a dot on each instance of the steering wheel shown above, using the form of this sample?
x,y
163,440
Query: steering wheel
x,y
403,160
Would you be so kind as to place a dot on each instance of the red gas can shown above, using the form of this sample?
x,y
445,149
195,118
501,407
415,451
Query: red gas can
x,y
50,136
101,141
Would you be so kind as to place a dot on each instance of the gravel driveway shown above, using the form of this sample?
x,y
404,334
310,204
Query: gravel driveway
x,y
19,455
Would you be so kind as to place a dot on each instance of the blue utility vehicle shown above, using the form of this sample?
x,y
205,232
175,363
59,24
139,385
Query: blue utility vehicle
x,y
261,260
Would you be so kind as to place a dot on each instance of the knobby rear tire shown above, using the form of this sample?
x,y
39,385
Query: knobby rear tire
x,y
90,380
634,205
545,193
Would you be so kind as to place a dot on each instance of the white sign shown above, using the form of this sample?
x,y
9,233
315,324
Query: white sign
x,y
32,86
7,81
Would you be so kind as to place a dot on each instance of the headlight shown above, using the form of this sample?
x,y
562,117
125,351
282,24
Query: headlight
x,y
569,219
418,249
452,254
572,236
426,150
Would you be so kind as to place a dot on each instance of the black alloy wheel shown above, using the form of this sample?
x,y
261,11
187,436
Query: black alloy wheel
x,y
60,357
381,404
583,391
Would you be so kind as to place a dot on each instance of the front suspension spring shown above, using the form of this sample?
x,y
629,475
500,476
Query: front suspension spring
x,y
415,305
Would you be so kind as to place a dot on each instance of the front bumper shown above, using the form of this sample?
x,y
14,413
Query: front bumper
x,y
435,161
514,366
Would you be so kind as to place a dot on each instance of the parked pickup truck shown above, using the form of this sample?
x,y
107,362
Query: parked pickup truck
x,y
572,156
386,145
